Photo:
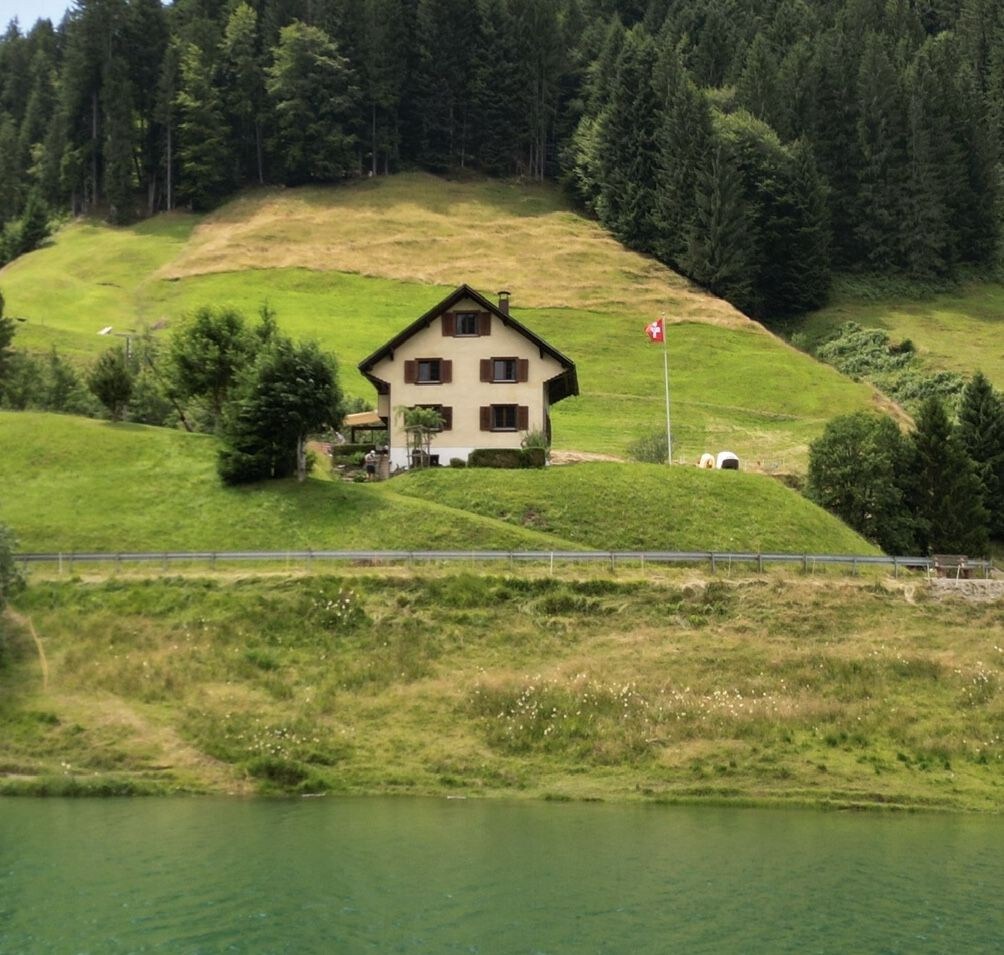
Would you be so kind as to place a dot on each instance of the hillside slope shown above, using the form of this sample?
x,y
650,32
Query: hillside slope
x,y
351,265
73,484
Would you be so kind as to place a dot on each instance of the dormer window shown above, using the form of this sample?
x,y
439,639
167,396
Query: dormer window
x,y
467,323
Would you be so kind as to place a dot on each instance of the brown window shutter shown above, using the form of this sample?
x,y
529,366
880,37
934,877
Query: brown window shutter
x,y
484,323
486,418
449,324
523,369
486,369
523,418
409,372
447,413
446,370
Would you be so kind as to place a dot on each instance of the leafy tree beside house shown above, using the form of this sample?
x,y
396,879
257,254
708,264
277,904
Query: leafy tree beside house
x,y
290,391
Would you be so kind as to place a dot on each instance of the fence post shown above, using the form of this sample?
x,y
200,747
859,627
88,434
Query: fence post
x,y
759,563
714,566
895,568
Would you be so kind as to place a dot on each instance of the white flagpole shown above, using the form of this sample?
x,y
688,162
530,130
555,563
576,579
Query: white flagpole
x,y
665,371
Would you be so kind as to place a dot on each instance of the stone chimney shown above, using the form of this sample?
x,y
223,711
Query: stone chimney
x,y
504,301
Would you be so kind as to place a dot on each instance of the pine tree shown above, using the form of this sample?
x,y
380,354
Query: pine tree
x,y
981,430
244,90
205,170
721,250
945,493
684,140
627,147
883,169
313,93
118,145
757,88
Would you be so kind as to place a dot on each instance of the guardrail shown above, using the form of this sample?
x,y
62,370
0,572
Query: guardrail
x,y
716,559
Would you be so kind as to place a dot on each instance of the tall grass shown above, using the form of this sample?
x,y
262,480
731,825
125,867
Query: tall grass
x,y
768,690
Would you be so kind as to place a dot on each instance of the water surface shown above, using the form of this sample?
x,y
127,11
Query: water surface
x,y
410,875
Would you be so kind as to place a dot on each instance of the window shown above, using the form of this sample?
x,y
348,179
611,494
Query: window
x,y
503,369
467,323
503,417
427,371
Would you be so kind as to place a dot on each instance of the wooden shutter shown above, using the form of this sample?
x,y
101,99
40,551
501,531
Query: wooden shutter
x,y
486,369
522,418
523,369
484,323
410,370
449,324
447,413
486,417
445,370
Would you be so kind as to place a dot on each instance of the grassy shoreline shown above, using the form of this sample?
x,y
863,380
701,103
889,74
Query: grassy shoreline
x,y
668,688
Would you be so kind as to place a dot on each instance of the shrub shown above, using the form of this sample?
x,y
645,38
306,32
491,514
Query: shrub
x,y
650,449
458,463
507,458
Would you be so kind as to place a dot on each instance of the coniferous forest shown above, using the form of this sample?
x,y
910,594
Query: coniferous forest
x,y
757,146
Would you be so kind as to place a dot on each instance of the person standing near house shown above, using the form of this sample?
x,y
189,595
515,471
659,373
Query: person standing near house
x,y
371,462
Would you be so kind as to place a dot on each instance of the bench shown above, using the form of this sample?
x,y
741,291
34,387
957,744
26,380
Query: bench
x,y
951,565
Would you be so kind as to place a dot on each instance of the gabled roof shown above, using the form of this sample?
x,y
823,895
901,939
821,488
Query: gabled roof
x,y
561,386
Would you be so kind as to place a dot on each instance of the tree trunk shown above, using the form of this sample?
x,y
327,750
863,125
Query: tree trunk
x,y
301,459
258,151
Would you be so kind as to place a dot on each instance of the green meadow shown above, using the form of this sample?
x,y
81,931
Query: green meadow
x,y
657,687
960,330
351,266
75,484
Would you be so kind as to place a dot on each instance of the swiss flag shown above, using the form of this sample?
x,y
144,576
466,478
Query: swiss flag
x,y
655,331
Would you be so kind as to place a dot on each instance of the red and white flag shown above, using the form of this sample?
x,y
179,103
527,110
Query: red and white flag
x,y
656,331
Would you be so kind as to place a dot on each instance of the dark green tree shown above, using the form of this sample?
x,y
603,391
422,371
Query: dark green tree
x,y
627,147
721,247
981,430
206,355
116,95
11,578
289,392
244,90
313,93
856,471
206,172
945,493
110,381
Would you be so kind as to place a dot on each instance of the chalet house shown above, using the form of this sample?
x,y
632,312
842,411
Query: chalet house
x,y
491,378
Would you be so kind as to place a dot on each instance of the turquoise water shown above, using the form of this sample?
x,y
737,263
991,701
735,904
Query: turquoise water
x,y
408,875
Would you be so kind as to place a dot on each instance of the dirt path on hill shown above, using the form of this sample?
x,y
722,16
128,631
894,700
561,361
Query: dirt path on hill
x,y
577,457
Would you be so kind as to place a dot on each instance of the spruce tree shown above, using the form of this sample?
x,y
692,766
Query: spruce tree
x,y
981,430
627,146
313,93
945,493
118,144
204,149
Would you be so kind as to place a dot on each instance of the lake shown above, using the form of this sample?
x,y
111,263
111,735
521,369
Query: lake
x,y
427,875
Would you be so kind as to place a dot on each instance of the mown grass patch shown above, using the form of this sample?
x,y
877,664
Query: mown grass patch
x,y
625,507
81,485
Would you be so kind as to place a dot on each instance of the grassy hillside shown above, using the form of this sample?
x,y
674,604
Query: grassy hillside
x,y
351,265
73,484
643,506
665,688
960,331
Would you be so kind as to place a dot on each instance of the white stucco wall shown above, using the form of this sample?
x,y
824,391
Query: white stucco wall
x,y
466,393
